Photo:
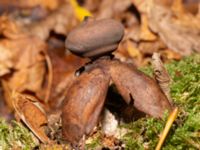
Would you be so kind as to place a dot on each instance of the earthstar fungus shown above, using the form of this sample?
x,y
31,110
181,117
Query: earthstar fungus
x,y
97,39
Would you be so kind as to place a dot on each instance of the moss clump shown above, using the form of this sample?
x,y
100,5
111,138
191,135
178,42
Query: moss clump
x,y
15,136
185,132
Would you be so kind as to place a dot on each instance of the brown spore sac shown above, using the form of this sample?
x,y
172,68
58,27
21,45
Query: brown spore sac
x,y
95,38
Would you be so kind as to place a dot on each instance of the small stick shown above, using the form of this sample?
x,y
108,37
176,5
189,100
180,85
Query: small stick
x,y
168,125
50,78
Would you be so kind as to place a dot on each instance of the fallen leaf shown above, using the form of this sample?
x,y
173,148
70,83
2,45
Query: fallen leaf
x,y
60,21
170,55
181,35
145,33
28,62
161,75
32,114
5,60
112,8
29,59
132,50
48,4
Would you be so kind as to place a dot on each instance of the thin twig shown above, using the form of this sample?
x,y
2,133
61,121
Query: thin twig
x,y
168,125
50,78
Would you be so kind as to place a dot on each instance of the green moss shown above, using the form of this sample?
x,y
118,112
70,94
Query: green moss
x,y
14,135
185,91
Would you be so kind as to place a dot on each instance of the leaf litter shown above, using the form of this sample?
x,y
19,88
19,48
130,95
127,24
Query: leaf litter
x,y
34,62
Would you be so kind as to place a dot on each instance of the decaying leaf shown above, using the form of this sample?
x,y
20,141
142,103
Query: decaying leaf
x,y
29,64
112,8
179,34
161,75
48,4
5,61
28,59
176,27
60,21
132,50
32,114
145,33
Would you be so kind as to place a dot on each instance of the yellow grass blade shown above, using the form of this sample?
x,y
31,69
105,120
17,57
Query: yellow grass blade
x,y
168,125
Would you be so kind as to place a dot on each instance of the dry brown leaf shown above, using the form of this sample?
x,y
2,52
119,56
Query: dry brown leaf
x,y
8,28
132,50
29,78
7,93
161,75
184,18
169,54
48,4
28,59
26,51
181,35
177,7
147,47
5,60
145,33
112,8
177,28
60,21
32,114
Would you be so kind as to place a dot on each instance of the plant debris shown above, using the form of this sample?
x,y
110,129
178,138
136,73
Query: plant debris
x,y
39,66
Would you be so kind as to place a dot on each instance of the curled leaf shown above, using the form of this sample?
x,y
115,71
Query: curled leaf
x,y
31,113
145,33
161,75
5,60
180,34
